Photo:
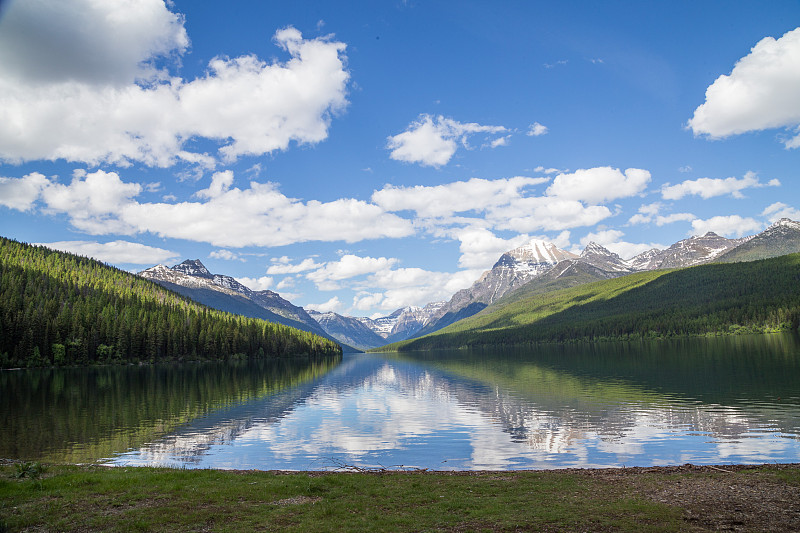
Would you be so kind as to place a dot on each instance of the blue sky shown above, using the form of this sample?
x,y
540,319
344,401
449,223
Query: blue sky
x,y
364,156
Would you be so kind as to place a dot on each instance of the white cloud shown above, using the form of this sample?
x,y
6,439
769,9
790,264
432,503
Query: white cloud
x,y
729,226
650,213
779,210
599,184
760,92
331,306
93,201
226,255
94,96
661,220
547,170
710,187
349,266
503,204
480,248
257,284
365,300
283,265
500,141
220,183
536,129
410,286
433,143
115,252
21,193
101,203
88,41
476,195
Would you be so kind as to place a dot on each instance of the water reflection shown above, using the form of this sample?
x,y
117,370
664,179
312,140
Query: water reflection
x,y
83,414
700,401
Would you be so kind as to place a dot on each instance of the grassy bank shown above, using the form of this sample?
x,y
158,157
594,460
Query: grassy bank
x,y
687,498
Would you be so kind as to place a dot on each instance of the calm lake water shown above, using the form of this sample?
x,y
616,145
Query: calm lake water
x,y
701,401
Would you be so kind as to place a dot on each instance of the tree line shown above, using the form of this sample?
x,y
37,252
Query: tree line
x,y
749,297
60,309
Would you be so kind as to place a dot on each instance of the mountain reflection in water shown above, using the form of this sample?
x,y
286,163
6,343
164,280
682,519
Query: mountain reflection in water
x,y
702,401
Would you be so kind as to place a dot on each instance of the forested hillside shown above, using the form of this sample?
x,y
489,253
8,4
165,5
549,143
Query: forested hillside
x,y
62,309
709,299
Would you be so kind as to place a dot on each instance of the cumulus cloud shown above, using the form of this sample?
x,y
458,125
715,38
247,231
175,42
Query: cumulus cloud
x,y
433,142
599,184
710,187
476,195
511,204
348,266
536,129
101,203
480,248
21,193
779,210
115,252
283,265
257,284
96,96
729,226
649,213
331,306
402,287
226,255
760,92
88,41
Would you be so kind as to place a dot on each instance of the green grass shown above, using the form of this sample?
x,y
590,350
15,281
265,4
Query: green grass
x,y
74,498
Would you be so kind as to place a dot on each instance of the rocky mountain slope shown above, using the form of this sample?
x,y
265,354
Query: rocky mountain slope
x,y
193,280
348,330
781,238
539,266
403,323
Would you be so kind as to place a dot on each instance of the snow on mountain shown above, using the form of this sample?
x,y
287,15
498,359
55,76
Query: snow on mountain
x,y
693,251
781,238
402,323
348,330
645,260
193,267
192,279
602,258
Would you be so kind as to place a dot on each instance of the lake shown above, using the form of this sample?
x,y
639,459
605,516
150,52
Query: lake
x,y
701,401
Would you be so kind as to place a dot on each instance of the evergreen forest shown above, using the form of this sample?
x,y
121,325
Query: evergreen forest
x,y
713,299
59,309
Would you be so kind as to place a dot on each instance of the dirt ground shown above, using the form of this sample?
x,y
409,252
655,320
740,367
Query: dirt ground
x,y
716,498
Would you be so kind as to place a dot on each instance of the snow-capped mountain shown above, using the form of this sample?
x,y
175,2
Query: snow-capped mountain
x,y
604,259
402,323
514,269
645,260
193,280
348,330
693,251
781,238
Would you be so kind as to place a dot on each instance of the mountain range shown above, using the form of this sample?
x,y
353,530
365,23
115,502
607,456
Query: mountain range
x,y
535,267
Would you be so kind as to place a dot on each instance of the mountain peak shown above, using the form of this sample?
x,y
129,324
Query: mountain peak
x,y
786,223
536,251
193,267
594,248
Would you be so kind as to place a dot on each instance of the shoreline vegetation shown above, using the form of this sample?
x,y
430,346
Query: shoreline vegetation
x,y
665,498
60,309
706,300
